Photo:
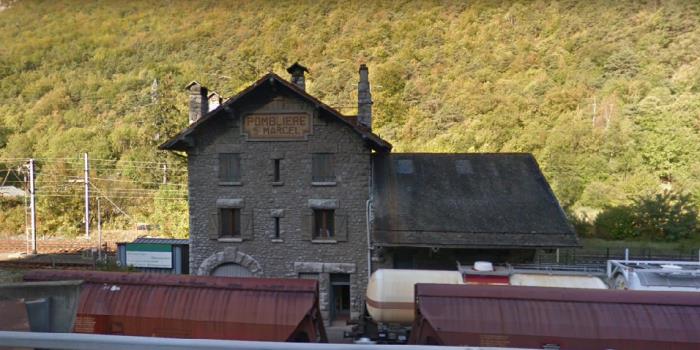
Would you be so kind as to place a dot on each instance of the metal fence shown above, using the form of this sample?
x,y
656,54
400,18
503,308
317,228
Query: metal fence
x,y
77,341
599,257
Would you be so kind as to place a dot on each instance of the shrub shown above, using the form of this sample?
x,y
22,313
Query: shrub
x,y
616,223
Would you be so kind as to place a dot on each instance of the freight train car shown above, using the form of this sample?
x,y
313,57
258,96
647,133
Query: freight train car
x,y
390,307
555,318
205,307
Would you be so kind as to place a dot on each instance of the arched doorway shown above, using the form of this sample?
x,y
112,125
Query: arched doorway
x,y
230,262
231,270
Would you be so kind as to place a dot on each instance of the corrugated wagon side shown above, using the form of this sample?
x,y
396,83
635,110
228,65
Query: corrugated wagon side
x,y
194,306
555,318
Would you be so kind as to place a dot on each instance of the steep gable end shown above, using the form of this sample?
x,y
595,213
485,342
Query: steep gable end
x,y
183,140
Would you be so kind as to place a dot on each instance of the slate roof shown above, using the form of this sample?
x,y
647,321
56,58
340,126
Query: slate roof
x,y
180,141
465,200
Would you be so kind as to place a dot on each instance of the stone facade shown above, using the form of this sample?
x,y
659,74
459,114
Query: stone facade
x,y
294,254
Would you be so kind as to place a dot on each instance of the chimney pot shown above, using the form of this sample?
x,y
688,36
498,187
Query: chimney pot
x,y
199,101
214,100
364,99
297,72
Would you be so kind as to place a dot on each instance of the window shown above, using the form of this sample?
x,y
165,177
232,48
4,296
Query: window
x,y
229,167
276,177
324,227
276,232
323,167
230,222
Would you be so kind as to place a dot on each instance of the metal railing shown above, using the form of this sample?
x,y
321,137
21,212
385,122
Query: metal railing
x,y
76,341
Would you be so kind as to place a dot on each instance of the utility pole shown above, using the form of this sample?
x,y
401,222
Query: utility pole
x,y
87,196
99,231
32,204
27,237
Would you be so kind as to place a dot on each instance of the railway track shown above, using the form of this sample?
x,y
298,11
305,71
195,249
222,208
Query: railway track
x,y
30,265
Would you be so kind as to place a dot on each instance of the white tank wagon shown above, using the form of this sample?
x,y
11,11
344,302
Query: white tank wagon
x,y
391,305
682,276
390,298
390,293
557,281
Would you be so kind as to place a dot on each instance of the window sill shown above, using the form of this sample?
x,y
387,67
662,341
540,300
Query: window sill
x,y
278,183
228,183
324,241
230,239
277,240
324,183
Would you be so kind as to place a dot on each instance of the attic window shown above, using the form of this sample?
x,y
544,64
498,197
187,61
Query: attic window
x,y
464,167
404,166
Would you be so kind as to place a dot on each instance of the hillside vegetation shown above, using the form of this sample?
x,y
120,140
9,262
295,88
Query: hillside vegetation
x,y
605,94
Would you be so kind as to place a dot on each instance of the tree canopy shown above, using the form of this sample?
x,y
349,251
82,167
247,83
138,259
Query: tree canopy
x,y
606,95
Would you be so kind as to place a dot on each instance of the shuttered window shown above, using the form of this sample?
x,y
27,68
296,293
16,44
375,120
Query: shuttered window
x,y
323,167
229,167
324,224
230,222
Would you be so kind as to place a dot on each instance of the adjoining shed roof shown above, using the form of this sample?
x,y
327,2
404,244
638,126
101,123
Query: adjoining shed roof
x,y
465,200
271,81
156,240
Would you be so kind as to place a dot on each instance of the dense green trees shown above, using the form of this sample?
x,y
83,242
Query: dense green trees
x,y
606,95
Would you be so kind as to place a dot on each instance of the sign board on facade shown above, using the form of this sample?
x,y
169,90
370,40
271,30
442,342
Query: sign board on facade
x,y
277,126
149,255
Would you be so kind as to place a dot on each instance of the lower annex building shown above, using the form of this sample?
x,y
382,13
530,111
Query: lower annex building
x,y
282,185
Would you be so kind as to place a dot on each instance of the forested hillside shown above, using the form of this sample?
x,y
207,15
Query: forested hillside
x,y
605,94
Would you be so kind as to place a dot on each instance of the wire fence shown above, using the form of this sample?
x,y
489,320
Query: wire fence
x,y
600,256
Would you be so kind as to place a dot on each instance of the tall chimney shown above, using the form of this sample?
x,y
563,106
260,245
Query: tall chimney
x,y
199,101
364,99
297,72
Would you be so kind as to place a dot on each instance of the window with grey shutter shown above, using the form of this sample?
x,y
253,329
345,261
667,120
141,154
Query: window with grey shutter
x,y
230,222
247,228
229,167
324,224
323,167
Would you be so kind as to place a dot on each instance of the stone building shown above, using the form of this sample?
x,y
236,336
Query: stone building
x,y
282,185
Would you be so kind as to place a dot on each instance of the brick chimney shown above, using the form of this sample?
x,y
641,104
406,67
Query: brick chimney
x,y
297,72
199,101
364,99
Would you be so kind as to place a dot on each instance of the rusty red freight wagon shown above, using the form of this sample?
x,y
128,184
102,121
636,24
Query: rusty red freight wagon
x,y
204,307
555,318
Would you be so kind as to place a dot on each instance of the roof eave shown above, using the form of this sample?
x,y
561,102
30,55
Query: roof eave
x,y
374,140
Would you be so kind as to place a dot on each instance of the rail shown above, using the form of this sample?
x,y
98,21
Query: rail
x,y
76,341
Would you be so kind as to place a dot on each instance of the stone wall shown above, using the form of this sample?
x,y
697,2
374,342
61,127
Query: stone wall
x,y
260,200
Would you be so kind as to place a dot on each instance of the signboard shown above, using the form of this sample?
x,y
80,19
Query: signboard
x,y
149,255
277,126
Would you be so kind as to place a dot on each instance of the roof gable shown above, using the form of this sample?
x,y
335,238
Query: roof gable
x,y
180,142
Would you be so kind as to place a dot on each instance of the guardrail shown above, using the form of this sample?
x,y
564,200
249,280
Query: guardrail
x,y
76,341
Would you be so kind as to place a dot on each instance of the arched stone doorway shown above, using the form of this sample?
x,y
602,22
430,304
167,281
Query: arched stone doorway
x,y
231,270
230,262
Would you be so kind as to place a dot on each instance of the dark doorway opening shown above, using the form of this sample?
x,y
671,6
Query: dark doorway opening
x,y
340,298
